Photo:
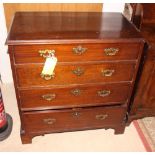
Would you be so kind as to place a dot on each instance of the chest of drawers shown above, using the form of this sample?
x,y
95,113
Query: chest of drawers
x,y
98,60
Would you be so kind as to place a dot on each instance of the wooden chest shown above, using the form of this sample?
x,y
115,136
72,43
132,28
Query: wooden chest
x,y
98,60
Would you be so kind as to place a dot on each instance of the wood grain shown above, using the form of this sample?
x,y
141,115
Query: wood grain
x,y
32,31
11,8
76,119
144,101
64,53
57,28
29,75
65,97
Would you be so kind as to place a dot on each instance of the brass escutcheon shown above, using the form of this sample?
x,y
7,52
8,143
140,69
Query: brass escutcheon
x,y
46,53
101,116
76,92
49,121
76,114
79,50
78,71
107,72
103,93
49,97
111,51
47,76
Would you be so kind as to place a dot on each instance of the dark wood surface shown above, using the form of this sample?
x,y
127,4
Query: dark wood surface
x,y
148,12
74,119
62,33
67,98
44,122
148,30
11,8
59,27
30,75
144,102
144,20
64,52
145,93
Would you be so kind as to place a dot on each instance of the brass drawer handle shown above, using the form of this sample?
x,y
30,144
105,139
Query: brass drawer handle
x,y
101,116
78,71
103,93
111,51
49,97
47,76
76,92
79,50
49,121
46,53
107,72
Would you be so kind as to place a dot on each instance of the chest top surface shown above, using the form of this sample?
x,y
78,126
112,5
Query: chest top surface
x,y
63,27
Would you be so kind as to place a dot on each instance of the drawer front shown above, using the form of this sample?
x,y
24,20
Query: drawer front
x,y
74,96
67,120
78,52
30,75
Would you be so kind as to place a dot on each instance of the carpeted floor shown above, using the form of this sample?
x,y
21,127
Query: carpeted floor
x,y
90,141
147,126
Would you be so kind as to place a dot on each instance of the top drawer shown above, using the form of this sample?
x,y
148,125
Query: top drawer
x,y
78,52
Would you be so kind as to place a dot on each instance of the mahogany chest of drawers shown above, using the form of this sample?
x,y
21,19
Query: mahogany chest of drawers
x,y
98,59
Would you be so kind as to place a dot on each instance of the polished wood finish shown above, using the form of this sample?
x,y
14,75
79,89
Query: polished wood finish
x,y
144,19
69,97
30,75
94,86
143,101
71,120
65,53
11,8
148,13
58,28
74,119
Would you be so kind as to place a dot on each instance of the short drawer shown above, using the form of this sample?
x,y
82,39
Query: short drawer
x,y
75,119
30,75
78,52
75,96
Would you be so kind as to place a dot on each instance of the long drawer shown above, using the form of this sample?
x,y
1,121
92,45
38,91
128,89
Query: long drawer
x,y
30,75
72,119
75,96
78,52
